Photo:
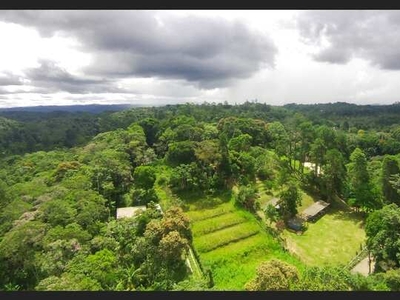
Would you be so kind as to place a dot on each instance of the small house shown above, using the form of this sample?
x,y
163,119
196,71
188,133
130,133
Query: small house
x,y
314,211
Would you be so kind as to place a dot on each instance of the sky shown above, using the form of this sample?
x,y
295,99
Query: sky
x,y
158,57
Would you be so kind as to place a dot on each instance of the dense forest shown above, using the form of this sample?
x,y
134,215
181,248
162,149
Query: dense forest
x,y
213,170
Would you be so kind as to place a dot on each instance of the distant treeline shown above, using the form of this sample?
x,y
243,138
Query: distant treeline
x,y
53,127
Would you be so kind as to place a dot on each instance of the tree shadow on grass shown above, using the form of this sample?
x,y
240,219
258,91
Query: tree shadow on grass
x,y
355,217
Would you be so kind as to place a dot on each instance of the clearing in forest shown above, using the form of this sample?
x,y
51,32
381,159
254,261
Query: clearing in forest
x,y
334,239
229,241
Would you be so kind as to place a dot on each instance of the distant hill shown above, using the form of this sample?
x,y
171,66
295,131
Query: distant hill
x,y
90,108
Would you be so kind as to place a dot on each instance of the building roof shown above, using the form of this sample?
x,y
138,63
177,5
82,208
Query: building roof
x,y
314,209
126,212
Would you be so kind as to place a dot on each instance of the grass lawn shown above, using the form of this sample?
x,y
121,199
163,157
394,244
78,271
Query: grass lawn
x,y
334,239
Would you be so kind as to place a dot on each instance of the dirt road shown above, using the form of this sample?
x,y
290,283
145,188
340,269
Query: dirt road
x,y
362,267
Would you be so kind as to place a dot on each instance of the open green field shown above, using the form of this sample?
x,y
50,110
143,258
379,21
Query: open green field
x,y
232,243
334,239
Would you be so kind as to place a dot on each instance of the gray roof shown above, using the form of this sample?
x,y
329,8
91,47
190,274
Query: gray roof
x,y
314,209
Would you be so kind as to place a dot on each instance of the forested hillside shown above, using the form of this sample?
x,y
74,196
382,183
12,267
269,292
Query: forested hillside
x,y
213,169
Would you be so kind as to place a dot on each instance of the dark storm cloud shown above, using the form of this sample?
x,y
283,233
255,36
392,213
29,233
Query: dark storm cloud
x,y
209,51
10,79
366,34
52,78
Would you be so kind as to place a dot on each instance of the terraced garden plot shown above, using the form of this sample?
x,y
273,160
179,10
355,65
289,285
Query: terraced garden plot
x,y
231,243
264,197
239,248
234,264
217,223
198,215
211,241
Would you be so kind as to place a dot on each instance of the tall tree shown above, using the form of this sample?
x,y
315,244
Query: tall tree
x,y
363,195
17,248
273,275
279,137
390,167
144,177
334,173
246,196
150,128
290,198
317,153
181,153
383,237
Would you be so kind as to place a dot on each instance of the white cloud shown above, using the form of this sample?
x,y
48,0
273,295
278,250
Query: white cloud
x,y
22,47
296,76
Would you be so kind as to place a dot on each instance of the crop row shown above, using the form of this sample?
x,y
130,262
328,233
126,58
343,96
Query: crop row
x,y
214,240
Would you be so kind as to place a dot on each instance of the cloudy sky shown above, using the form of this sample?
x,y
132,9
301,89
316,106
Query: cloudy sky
x,y
65,57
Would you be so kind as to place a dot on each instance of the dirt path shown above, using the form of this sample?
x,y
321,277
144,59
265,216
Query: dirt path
x,y
191,261
362,267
